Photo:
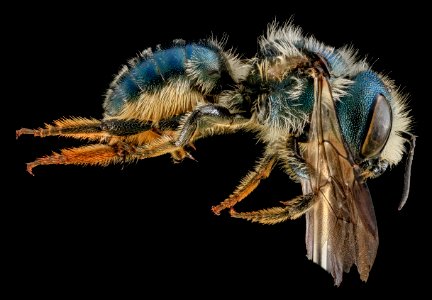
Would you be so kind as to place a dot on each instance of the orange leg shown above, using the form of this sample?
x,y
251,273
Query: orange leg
x,y
116,152
120,141
154,143
165,144
248,184
292,210
87,155
79,128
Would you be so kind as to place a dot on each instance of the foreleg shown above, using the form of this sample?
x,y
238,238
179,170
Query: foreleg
x,y
292,210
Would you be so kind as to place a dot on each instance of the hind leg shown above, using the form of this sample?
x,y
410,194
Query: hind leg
x,y
90,129
79,128
105,154
99,154
124,137
118,138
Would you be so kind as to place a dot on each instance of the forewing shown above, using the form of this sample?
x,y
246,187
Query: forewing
x,y
341,226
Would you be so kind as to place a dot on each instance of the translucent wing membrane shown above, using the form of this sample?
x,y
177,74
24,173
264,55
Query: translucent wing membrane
x,y
341,226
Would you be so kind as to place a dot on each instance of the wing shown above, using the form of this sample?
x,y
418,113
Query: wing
x,y
341,226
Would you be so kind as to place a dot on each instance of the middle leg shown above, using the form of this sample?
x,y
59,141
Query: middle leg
x,y
248,184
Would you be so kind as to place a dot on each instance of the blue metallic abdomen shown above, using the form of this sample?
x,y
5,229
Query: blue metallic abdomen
x,y
152,71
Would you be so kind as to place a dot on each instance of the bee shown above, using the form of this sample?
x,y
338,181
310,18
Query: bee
x,y
325,117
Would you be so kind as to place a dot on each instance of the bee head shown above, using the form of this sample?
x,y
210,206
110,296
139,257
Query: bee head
x,y
372,118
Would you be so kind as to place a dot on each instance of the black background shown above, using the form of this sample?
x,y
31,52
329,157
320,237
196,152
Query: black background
x,y
148,227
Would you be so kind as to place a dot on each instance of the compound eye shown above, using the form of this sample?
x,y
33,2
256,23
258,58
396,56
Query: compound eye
x,y
380,123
